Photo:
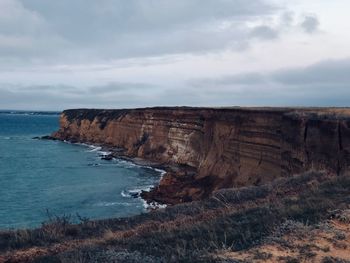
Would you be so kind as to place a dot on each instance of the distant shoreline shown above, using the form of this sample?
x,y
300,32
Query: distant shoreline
x,y
19,112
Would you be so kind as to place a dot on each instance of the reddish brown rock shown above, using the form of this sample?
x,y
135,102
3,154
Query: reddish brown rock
x,y
225,147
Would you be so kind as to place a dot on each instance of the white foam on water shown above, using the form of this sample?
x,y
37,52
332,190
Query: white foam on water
x,y
129,164
94,148
103,204
125,194
141,188
94,164
103,153
136,191
162,172
126,164
152,205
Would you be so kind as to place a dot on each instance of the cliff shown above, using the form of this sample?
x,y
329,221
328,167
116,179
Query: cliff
x,y
216,148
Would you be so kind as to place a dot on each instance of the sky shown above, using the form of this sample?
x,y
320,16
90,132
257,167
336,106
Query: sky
x,y
64,54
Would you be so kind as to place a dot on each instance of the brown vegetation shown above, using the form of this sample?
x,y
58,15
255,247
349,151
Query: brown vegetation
x,y
234,225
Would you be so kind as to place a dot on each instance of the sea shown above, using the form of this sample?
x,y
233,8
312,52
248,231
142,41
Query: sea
x,y
40,179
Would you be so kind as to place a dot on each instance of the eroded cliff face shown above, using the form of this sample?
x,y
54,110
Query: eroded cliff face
x,y
229,147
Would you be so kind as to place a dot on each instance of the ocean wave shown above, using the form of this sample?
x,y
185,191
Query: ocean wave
x,y
125,194
123,163
135,192
152,205
27,113
130,164
103,153
104,204
94,164
126,164
94,148
162,172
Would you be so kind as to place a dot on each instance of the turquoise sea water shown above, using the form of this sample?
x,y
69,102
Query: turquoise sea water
x,y
36,175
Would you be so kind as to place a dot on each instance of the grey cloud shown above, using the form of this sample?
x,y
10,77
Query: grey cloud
x,y
119,16
264,32
53,89
25,33
88,30
331,72
121,87
59,97
241,79
323,84
287,18
13,14
310,24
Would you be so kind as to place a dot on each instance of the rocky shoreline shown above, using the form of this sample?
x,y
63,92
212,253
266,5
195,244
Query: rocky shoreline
x,y
170,181
267,185
206,149
158,195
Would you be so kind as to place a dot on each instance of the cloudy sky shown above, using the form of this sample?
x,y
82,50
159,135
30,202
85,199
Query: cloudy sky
x,y
135,53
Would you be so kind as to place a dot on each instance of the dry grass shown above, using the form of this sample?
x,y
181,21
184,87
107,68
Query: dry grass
x,y
297,242
232,220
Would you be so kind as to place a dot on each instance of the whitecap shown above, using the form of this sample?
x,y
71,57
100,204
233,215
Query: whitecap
x,y
104,153
102,204
131,193
94,148
135,192
162,172
94,164
139,189
125,194
125,164
121,162
153,205
146,206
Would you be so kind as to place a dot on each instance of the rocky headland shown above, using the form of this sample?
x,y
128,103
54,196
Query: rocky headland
x,y
207,149
266,185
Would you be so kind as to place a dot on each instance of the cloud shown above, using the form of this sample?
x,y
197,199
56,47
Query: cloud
x,y
240,79
287,18
59,97
310,24
118,53
87,31
322,84
24,33
264,32
330,72
13,14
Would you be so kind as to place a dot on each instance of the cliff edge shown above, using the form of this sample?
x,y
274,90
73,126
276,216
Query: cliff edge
x,y
206,149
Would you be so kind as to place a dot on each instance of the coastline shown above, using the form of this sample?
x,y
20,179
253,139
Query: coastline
x,y
206,149
232,223
173,177
108,154
228,218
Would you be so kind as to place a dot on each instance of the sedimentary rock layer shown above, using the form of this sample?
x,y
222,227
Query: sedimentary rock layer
x,y
225,147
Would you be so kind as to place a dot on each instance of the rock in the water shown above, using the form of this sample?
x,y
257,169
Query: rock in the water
x,y
107,157
46,137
